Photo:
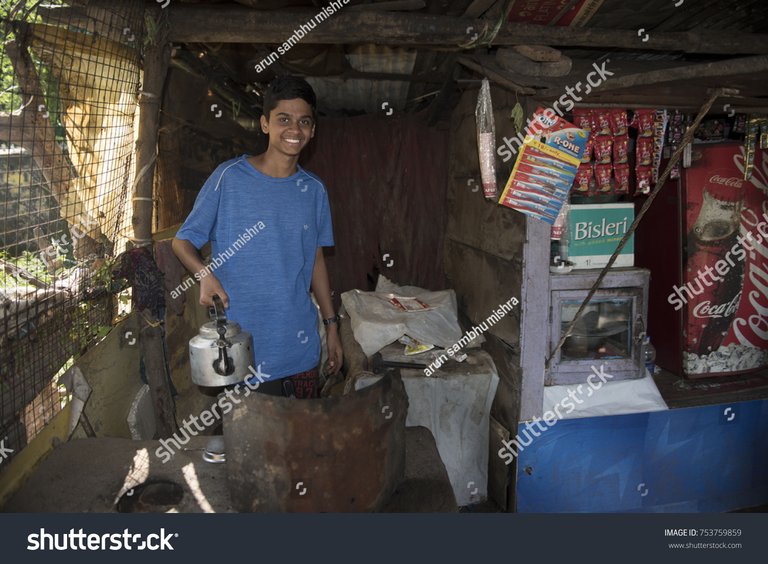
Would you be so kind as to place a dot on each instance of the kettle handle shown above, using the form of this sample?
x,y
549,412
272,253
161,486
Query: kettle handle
x,y
216,311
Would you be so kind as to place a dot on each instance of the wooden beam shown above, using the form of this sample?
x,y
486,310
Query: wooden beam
x,y
519,64
239,24
495,76
439,103
718,69
389,6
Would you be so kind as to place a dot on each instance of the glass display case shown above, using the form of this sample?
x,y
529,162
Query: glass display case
x,y
610,330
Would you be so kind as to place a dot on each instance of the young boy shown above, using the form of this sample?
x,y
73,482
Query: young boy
x,y
267,219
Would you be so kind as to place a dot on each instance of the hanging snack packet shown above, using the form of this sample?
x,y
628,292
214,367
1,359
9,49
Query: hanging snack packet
x,y
675,133
750,143
739,124
601,122
486,140
582,118
603,149
587,154
619,122
603,173
643,175
583,181
659,129
621,175
644,151
621,150
643,122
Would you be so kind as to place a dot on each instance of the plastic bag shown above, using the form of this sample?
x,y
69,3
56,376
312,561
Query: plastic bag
x,y
376,322
486,141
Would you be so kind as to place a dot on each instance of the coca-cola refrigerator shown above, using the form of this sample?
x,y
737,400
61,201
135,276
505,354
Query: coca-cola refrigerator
x,y
705,240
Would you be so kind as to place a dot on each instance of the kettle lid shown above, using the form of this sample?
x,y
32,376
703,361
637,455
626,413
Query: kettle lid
x,y
208,330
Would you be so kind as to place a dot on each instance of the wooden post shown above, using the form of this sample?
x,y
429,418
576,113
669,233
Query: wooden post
x,y
152,346
156,59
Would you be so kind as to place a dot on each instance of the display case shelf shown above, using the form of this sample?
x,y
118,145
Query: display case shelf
x,y
610,331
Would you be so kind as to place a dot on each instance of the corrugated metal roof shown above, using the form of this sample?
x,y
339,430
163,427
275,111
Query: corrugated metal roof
x,y
364,95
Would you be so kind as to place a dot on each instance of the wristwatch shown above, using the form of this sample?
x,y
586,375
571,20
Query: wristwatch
x,y
334,319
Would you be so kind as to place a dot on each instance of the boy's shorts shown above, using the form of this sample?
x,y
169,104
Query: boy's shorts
x,y
304,385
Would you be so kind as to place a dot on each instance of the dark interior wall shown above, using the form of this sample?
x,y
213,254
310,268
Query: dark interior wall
x,y
387,181
484,245
484,264
191,144
385,175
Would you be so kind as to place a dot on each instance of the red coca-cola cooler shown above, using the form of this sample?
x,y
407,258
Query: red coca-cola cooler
x,y
705,240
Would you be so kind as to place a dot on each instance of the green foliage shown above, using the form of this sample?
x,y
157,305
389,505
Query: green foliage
x,y
30,262
12,11
152,29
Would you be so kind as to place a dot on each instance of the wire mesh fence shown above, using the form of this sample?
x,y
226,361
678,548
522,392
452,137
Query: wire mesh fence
x,y
69,79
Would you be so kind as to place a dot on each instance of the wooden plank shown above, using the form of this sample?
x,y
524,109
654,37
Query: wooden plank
x,y
498,77
506,405
499,474
473,220
534,320
389,6
112,370
482,283
514,62
238,24
478,8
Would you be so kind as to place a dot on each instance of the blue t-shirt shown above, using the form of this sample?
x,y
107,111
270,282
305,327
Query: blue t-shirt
x,y
264,234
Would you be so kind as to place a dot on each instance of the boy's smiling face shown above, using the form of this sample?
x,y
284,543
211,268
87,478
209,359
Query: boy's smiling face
x,y
290,126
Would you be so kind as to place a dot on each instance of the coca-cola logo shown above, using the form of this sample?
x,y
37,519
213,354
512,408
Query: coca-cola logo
x,y
706,310
732,182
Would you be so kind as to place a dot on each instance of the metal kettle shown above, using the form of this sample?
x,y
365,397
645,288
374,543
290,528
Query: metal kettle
x,y
221,353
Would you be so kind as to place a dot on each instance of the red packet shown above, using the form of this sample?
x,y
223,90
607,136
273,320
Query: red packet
x,y
618,122
601,122
621,175
583,179
603,149
587,155
603,173
643,175
621,150
582,118
644,152
643,120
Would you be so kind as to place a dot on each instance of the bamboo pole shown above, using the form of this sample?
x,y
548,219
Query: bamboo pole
x,y
156,59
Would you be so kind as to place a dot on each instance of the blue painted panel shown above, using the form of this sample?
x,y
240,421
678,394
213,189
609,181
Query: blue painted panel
x,y
707,458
